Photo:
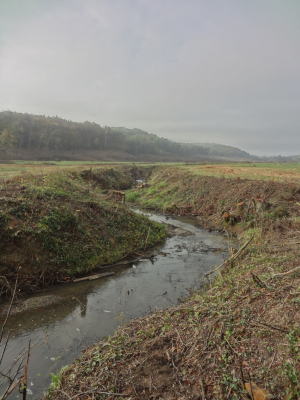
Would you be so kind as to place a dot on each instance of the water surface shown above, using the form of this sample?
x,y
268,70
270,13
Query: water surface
x,y
100,306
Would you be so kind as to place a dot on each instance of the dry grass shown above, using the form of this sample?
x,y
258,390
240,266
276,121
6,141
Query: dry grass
x,y
7,171
275,171
198,349
259,171
247,324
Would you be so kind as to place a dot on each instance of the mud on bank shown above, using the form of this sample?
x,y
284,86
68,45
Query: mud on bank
x,y
245,328
60,225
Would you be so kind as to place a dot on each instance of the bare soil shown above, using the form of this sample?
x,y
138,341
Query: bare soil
x,y
56,226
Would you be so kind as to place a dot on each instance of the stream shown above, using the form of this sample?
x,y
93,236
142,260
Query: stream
x,y
87,311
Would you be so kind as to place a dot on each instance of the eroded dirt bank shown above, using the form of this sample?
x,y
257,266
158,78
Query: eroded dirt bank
x,y
246,328
60,225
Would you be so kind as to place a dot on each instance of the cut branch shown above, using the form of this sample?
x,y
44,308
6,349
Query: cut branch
x,y
234,257
285,273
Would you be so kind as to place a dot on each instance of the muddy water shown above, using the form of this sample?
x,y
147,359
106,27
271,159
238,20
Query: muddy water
x,y
98,307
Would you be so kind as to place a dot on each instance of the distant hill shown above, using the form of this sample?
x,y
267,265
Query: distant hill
x,y
21,133
29,136
212,149
222,150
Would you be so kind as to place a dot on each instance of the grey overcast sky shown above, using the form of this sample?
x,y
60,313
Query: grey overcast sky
x,y
222,71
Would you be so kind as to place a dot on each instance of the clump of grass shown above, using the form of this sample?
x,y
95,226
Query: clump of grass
x,y
132,197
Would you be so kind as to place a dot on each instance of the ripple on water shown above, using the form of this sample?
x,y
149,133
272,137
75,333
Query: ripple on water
x,y
89,310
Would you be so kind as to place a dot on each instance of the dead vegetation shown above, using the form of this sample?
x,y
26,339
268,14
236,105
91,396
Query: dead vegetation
x,y
56,226
238,340
265,171
219,202
248,321
198,349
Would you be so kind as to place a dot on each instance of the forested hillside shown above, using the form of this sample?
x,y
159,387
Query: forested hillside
x,y
37,132
222,150
212,149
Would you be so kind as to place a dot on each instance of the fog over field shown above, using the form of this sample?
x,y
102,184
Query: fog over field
x,y
191,71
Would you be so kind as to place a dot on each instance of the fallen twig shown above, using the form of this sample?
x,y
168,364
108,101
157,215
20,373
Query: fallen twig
x,y
202,389
93,277
9,308
258,281
234,257
285,273
251,390
11,388
270,326
25,375
147,238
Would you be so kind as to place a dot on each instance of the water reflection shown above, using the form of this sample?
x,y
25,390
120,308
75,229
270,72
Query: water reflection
x,y
96,308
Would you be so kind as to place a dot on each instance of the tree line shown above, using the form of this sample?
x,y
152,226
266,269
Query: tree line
x,y
28,131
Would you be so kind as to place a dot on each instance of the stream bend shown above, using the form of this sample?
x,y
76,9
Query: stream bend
x,y
96,308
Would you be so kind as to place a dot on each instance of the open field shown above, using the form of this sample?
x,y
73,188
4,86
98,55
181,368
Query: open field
x,y
263,171
13,168
259,171
17,167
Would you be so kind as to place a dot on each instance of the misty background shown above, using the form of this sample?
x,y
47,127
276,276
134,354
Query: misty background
x,y
191,71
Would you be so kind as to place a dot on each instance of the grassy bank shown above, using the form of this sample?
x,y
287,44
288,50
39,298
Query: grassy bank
x,y
59,225
246,327
223,203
